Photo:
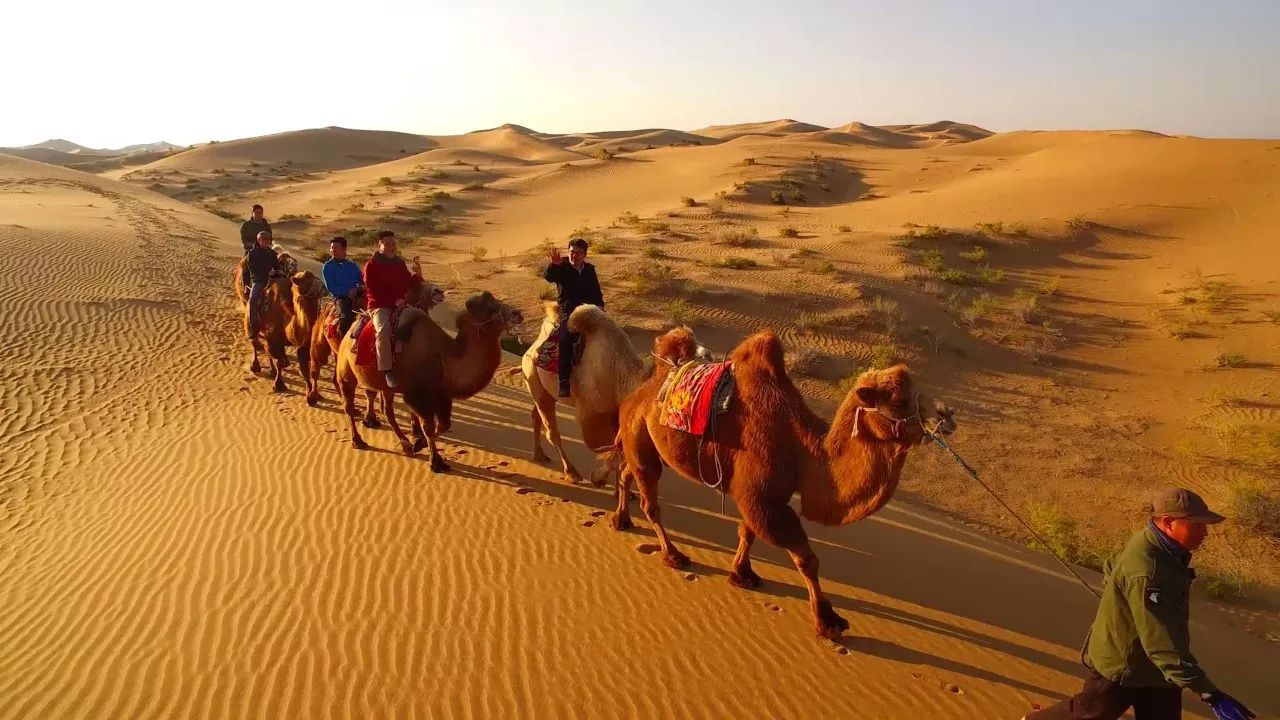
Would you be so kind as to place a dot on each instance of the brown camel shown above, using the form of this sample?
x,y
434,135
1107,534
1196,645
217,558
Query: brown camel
x,y
432,370
770,446
609,370
293,304
422,295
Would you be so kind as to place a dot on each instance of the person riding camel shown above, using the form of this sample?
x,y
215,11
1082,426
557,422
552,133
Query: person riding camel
x,y
344,281
249,230
577,285
386,285
261,265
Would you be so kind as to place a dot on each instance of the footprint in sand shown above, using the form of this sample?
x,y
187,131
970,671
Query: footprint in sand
x,y
647,548
588,523
839,649
689,576
522,490
953,689
598,513
772,606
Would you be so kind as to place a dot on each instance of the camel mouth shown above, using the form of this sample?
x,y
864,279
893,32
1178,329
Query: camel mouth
x,y
944,420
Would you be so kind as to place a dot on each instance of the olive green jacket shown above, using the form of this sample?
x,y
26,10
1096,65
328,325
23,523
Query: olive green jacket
x,y
1140,636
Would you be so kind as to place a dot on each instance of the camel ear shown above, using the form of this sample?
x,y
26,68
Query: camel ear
x,y
868,396
297,279
473,304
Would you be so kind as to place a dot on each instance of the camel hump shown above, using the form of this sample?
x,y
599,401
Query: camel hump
x,y
586,319
763,351
551,311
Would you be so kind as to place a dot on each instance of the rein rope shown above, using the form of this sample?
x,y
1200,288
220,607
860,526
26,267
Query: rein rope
x,y
973,474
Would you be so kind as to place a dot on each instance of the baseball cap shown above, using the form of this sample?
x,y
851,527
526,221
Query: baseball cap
x,y
1183,503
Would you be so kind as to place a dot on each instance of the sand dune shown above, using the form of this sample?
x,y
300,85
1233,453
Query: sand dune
x,y
176,541
330,148
771,127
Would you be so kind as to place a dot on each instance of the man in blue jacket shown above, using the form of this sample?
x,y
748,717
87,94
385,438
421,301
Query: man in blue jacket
x,y
344,282
578,285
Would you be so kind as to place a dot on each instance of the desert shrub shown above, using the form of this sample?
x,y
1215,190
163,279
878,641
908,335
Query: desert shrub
x,y
653,252
1221,584
788,232
440,195
990,275
955,277
803,363
655,279
227,214
735,262
797,195
983,306
777,198
385,219
478,252
1050,287
628,219
886,314
688,201
1078,223
1255,507
384,180
810,321
1018,229
844,229
749,161
822,267
933,260
322,257
474,186
990,228
1025,305
678,311
883,356
1225,360
438,174
651,226
976,255
604,246
1062,537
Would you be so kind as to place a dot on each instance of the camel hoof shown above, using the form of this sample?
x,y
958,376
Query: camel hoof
x,y
313,399
621,522
746,580
419,443
359,444
676,560
540,457
439,465
600,476
409,449
830,625
371,422
255,368
279,385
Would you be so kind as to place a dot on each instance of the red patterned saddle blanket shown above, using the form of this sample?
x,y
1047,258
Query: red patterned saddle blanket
x,y
694,395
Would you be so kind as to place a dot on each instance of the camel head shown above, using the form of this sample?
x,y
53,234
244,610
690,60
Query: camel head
x,y
307,284
485,309
678,346
424,295
892,407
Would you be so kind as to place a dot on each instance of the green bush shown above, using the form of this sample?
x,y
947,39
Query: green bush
x,y
990,275
384,180
1255,507
788,232
688,202
776,198
975,256
734,262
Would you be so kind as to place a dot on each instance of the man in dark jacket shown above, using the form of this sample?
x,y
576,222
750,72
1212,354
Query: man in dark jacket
x,y
261,265
249,230
1139,648
578,285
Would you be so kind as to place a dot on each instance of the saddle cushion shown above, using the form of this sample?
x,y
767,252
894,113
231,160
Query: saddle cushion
x,y
548,357
694,394
366,336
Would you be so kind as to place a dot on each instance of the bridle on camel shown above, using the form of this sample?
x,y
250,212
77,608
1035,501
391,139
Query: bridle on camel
x,y
896,423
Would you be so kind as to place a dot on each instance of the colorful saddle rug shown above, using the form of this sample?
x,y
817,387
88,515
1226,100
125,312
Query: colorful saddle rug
x,y
366,336
694,395
548,357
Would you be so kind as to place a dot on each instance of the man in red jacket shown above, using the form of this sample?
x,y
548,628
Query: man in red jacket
x,y
386,283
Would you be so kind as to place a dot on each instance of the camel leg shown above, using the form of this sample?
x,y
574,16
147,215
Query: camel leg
x,y
622,515
742,575
781,526
419,437
279,361
546,407
435,411
370,413
304,368
347,391
389,409
538,455
647,478
255,366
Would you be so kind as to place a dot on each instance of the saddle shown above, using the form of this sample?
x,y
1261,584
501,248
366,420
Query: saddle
x,y
694,395
548,357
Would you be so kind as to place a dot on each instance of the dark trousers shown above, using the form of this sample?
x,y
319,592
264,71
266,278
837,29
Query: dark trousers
x,y
253,320
566,350
1101,699
346,313
244,274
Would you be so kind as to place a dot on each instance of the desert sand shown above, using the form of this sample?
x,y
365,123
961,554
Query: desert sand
x,y
177,541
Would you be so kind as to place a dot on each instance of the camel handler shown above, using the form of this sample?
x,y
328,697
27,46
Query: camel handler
x,y
249,230
262,264
1139,648
578,285
344,281
386,285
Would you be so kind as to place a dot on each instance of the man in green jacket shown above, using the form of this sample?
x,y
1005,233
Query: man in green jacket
x,y
1139,648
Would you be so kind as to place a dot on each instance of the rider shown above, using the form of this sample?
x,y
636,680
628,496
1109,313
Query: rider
x,y
386,282
249,230
261,264
343,280
1139,648
578,285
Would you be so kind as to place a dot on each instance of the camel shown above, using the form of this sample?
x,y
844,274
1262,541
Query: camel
x,y
432,370
609,370
769,446
293,304
422,295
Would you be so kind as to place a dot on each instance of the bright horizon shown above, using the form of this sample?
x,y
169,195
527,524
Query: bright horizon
x,y
143,71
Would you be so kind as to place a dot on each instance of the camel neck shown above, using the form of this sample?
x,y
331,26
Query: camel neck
x,y
476,354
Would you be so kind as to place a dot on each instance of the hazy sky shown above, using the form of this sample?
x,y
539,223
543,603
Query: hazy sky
x,y
113,73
